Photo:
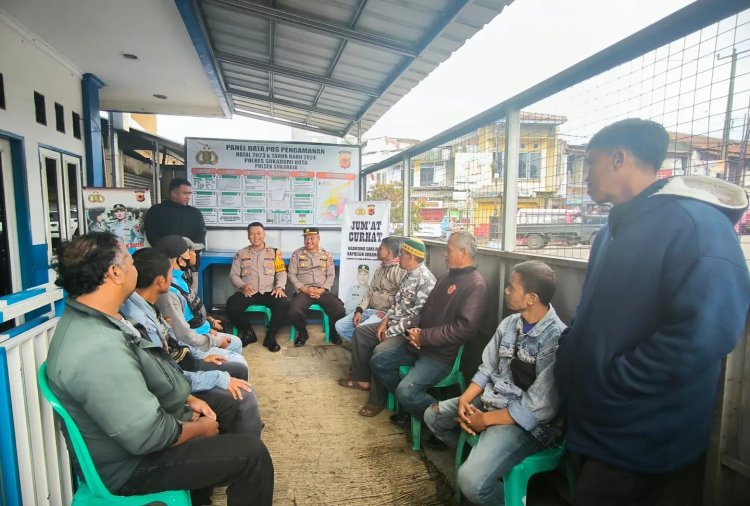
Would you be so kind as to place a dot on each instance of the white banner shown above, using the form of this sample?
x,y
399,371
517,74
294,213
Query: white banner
x,y
290,185
365,226
117,210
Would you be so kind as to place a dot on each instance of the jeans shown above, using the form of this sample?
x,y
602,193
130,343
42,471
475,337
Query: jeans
x,y
500,447
238,416
345,326
240,461
235,343
411,392
365,345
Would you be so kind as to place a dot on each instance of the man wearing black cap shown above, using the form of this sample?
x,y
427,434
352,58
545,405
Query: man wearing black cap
x,y
312,273
184,307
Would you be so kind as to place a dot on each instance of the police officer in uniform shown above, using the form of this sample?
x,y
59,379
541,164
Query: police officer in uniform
x,y
121,226
312,273
359,290
259,275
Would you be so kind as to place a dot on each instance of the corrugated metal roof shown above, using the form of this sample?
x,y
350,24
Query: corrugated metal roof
x,y
326,65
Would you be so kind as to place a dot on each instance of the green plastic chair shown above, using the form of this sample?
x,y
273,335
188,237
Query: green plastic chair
x,y
257,309
91,491
455,377
326,328
516,481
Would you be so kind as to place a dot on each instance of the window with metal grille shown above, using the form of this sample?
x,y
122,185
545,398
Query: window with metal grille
x,y
59,117
40,108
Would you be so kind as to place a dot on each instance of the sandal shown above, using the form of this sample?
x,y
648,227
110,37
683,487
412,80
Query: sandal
x,y
370,411
349,383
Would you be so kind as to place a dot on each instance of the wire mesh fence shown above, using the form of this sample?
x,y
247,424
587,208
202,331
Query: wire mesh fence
x,y
697,86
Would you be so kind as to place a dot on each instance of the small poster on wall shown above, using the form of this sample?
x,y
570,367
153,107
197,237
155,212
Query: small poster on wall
x,y
117,210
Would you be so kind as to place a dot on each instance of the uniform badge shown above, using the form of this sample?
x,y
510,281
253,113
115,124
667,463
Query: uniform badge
x,y
451,289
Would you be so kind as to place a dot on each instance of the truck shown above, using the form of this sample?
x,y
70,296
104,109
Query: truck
x,y
580,231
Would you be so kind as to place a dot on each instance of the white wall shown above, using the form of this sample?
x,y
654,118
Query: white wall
x,y
286,240
28,64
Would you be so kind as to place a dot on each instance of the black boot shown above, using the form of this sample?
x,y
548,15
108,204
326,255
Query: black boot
x,y
248,337
302,338
270,341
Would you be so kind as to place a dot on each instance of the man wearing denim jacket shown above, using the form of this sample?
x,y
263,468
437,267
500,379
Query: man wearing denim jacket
x,y
512,399
154,278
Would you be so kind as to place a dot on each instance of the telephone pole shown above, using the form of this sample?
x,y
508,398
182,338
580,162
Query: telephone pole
x,y
728,113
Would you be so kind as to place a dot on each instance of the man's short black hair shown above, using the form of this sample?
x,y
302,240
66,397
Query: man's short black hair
x,y
537,277
177,182
150,263
645,139
393,244
255,224
84,261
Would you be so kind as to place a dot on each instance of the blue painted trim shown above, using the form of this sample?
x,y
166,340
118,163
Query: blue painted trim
x,y
28,325
15,298
61,151
200,42
33,256
92,130
8,459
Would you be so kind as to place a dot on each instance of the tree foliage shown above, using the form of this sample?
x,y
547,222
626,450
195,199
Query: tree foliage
x,y
395,193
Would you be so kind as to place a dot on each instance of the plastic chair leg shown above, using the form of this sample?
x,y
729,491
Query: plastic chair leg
x,y
416,433
515,485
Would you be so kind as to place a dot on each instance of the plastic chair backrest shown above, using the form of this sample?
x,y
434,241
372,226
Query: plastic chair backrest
x,y
90,474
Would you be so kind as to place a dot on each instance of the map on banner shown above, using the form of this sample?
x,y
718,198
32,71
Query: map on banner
x,y
237,182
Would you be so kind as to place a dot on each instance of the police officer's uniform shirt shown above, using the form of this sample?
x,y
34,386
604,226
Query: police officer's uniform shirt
x,y
311,269
121,229
263,270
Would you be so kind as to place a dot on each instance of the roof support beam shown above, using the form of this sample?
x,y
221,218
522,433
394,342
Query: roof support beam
x,y
299,74
289,103
322,26
292,124
441,24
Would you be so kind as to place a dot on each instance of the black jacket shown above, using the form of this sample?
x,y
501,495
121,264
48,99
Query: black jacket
x,y
171,218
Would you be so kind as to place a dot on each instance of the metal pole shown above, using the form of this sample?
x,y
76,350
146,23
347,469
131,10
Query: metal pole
x,y
510,177
156,197
406,180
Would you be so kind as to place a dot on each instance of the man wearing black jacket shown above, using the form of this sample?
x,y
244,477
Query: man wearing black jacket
x,y
176,216
450,317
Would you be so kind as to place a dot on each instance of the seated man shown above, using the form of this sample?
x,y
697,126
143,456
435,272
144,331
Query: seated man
x,y
154,279
259,275
375,338
512,399
144,430
312,273
185,311
379,297
450,317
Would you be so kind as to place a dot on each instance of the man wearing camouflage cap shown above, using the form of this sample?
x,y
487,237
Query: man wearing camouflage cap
x,y
312,273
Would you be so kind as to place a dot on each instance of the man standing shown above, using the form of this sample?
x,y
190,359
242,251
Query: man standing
x,y
175,216
312,273
259,275
185,309
665,298
379,296
450,317
374,338
144,430
511,400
